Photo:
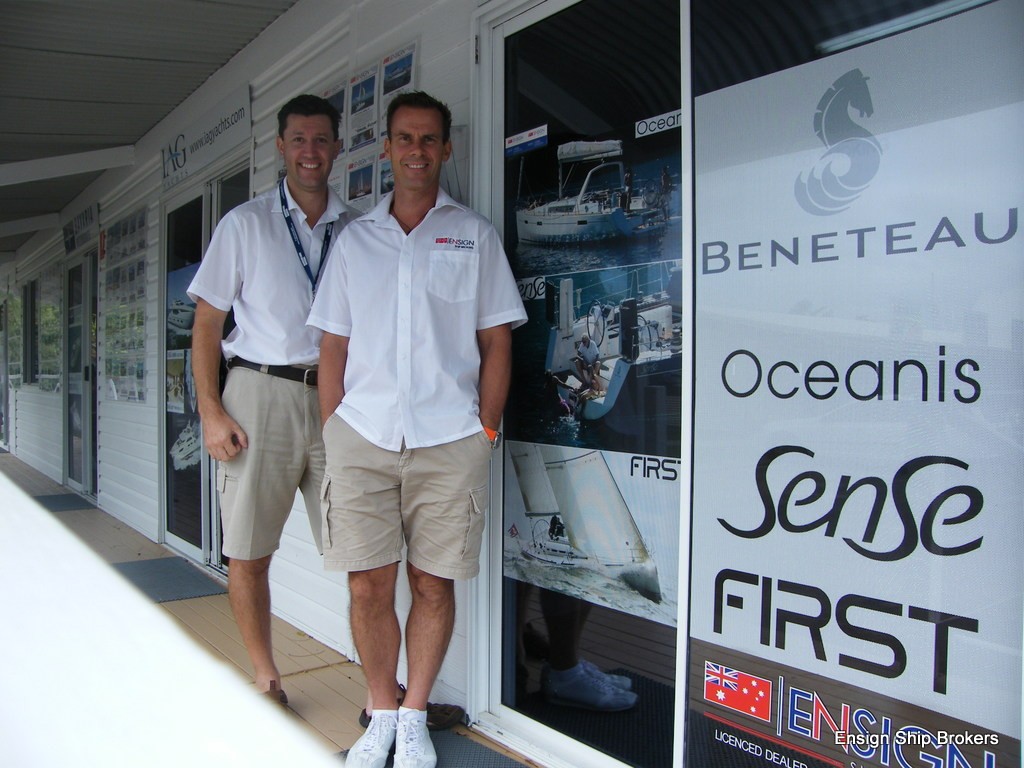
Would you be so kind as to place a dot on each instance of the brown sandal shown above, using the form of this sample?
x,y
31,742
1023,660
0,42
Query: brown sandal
x,y
440,717
275,694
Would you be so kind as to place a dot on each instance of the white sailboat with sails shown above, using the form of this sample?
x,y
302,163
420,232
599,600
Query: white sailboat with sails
x,y
579,517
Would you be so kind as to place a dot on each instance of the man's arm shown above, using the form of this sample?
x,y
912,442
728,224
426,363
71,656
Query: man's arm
x,y
331,373
222,435
495,372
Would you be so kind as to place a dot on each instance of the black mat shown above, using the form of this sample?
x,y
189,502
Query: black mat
x,y
164,579
456,751
63,502
640,737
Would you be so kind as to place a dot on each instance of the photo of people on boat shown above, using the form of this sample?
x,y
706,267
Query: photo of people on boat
x,y
598,526
601,356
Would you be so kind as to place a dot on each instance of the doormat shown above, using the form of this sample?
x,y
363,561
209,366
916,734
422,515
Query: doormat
x,y
164,579
456,751
640,737
63,502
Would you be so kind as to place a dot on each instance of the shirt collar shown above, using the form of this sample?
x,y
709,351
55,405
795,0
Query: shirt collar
x,y
336,208
381,212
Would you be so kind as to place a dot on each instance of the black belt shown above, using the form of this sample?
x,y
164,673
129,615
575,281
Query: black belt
x,y
291,372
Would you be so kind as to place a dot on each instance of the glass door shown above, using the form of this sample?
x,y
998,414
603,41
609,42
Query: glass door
x,y
192,522
186,500
587,559
80,364
4,426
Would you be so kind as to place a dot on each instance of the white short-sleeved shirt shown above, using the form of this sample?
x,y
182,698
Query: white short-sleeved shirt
x,y
251,265
411,306
589,352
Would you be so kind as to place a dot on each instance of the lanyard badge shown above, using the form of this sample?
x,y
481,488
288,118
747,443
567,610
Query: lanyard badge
x,y
313,280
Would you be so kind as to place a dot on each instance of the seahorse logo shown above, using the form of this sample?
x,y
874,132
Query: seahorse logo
x,y
853,155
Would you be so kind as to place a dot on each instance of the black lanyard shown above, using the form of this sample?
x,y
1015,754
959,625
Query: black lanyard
x,y
298,243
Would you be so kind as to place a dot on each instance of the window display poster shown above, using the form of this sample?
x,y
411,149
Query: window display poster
x,y
397,75
336,96
123,266
359,185
362,113
385,176
593,228
50,368
857,516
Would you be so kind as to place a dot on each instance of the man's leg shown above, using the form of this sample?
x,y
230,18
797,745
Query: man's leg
x,y
376,631
428,631
249,594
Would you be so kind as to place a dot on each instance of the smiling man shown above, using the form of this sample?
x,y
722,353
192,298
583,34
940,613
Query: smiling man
x,y
263,262
417,308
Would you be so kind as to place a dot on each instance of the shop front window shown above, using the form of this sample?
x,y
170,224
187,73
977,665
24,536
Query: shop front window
x,y
590,526
858,405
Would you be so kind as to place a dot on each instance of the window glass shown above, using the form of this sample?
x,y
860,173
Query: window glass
x,y
857,384
593,228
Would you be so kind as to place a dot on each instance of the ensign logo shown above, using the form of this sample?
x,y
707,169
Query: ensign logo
x,y
458,243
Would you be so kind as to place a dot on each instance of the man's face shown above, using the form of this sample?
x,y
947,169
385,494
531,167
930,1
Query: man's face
x,y
417,149
308,148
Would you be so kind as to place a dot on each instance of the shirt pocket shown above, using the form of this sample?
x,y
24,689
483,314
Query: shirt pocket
x,y
452,275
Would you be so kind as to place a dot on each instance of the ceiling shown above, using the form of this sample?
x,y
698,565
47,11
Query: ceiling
x,y
82,81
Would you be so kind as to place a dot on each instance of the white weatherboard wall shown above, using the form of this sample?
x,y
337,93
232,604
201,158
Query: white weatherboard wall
x,y
316,44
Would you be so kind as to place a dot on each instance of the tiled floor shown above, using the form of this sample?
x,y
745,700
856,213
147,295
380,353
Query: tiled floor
x,y
326,691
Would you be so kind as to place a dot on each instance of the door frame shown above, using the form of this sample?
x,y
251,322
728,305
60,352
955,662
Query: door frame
x,y
5,361
208,188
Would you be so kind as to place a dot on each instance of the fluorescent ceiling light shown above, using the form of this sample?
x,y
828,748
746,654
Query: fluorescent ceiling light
x,y
32,224
43,168
899,24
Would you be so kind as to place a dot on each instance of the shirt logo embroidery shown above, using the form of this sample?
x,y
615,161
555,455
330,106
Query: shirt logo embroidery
x,y
457,243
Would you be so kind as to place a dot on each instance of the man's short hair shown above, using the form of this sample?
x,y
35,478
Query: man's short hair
x,y
422,100
308,105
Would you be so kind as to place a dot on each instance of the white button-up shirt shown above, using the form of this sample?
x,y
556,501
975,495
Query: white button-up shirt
x,y
410,306
251,265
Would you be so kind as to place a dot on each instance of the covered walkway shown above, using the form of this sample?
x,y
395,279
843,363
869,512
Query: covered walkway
x,y
326,691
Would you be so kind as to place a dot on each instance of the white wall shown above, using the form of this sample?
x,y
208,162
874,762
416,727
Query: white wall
x,y
315,44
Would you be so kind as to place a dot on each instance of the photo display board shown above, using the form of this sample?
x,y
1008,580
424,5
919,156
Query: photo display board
x,y
362,173
857,509
123,284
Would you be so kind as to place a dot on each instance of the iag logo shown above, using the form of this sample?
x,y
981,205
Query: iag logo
x,y
174,156
853,154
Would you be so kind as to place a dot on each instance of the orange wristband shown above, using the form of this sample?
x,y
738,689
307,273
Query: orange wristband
x,y
492,434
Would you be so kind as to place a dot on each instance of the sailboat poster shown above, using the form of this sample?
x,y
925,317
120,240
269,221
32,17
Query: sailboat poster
x,y
603,527
362,111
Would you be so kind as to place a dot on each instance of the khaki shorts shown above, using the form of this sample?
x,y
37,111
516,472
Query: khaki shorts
x,y
434,500
257,488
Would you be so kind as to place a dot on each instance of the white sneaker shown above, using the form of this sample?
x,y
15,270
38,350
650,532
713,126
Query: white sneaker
x,y
413,748
576,687
619,681
372,748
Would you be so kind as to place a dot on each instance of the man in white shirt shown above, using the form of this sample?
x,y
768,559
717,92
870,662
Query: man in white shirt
x,y
263,262
588,364
417,309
